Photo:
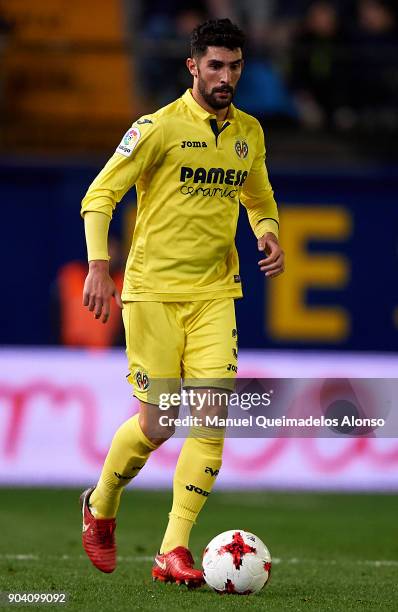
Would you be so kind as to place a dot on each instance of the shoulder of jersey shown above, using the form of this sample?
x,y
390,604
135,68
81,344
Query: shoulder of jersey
x,y
247,119
158,119
163,114
134,134
146,124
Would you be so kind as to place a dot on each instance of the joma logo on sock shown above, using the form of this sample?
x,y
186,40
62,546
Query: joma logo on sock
x,y
210,470
122,477
192,487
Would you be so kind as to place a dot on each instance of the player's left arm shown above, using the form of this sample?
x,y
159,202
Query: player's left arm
x,y
258,198
274,263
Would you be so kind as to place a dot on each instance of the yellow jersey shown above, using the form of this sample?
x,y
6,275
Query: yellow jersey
x,y
191,173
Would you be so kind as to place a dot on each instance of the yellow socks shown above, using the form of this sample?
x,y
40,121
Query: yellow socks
x,y
197,468
128,453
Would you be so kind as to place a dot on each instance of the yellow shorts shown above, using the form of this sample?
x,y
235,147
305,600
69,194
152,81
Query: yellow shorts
x,y
170,341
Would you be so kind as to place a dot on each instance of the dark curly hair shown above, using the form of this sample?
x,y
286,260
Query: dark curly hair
x,y
216,33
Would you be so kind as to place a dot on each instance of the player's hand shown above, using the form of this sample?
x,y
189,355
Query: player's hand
x,y
99,289
274,263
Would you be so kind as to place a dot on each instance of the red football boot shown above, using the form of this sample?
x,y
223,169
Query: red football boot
x,y
177,566
98,537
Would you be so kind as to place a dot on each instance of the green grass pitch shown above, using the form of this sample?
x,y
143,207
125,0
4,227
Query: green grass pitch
x,y
331,551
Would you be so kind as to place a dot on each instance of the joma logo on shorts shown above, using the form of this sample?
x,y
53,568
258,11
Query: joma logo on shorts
x,y
193,143
192,487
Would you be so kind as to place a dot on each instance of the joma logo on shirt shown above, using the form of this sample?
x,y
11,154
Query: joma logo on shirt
x,y
213,175
193,143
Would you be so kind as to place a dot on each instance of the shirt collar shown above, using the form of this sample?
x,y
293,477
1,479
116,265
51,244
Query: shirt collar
x,y
200,111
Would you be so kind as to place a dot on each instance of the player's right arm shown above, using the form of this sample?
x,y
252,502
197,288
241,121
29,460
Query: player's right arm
x,y
99,286
141,147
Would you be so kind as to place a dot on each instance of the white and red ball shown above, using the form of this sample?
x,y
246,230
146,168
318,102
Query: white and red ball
x,y
236,561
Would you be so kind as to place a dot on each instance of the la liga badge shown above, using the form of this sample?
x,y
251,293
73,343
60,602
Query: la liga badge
x,y
129,142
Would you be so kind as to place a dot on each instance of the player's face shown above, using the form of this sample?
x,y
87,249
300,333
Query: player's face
x,y
218,72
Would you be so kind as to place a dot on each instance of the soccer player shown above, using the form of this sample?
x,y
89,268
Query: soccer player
x,y
192,162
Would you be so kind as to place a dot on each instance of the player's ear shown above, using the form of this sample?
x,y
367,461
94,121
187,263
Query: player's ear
x,y
192,67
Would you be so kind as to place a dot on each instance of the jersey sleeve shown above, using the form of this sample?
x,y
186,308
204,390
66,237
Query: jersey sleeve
x,y
257,195
96,227
141,147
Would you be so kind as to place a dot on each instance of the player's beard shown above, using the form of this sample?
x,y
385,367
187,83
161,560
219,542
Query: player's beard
x,y
210,97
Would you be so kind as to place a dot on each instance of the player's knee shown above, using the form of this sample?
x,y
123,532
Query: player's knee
x,y
160,437
151,427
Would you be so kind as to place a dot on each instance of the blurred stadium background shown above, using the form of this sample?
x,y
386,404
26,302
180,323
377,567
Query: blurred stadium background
x,y
322,77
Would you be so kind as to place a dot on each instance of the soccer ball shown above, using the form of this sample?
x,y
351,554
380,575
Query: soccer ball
x,y
236,561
